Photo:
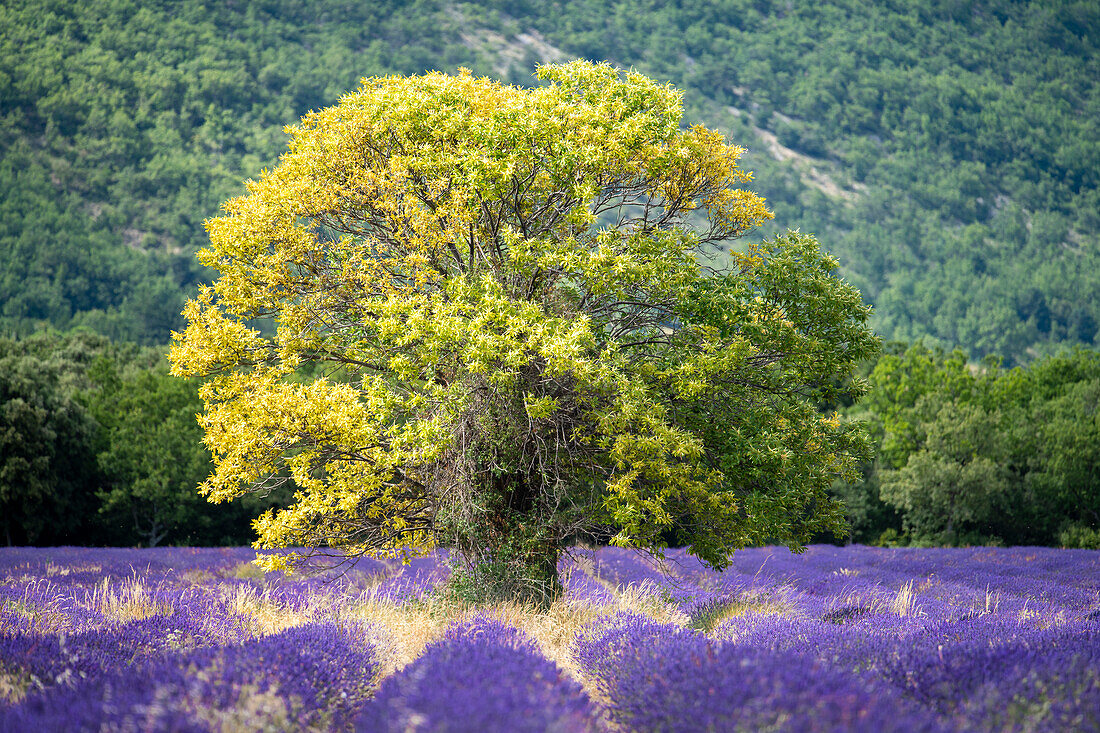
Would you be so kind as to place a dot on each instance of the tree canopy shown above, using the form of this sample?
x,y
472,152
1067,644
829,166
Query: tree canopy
x,y
518,339
975,453
47,474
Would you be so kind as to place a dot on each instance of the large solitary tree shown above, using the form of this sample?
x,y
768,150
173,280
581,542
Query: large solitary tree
x,y
495,329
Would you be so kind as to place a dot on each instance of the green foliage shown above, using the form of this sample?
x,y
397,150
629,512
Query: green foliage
x,y
99,445
514,570
47,464
150,448
1079,536
1064,459
973,454
868,517
124,125
150,453
945,150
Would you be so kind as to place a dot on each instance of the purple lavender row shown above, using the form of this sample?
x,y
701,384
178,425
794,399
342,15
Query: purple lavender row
x,y
945,583
170,564
305,678
1068,578
979,672
662,677
580,586
483,676
997,673
621,566
41,661
55,589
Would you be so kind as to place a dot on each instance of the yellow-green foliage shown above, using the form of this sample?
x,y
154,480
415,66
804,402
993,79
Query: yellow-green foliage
x,y
510,334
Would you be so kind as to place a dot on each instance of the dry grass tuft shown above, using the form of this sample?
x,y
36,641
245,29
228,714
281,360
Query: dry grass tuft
x,y
53,569
554,629
33,619
408,626
649,599
247,570
14,686
992,601
905,602
128,600
756,606
267,616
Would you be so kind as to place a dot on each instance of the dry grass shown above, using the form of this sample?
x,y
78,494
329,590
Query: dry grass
x,y
266,615
905,602
127,600
254,711
649,599
53,569
14,686
36,617
247,570
764,606
554,629
992,601
407,627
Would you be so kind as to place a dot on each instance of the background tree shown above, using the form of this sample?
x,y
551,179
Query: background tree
x,y
516,340
953,488
99,445
150,454
973,453
47,463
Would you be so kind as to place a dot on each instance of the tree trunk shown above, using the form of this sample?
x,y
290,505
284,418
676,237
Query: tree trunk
x,y
516,569
541,581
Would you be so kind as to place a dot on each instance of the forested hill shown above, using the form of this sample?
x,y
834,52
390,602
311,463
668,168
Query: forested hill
x,y
947,152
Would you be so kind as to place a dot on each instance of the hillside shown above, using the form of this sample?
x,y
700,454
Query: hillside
x,y
946,152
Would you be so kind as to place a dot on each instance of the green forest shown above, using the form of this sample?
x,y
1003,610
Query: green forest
x,y
945,151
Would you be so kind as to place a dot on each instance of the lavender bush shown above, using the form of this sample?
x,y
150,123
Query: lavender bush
x,y
303,678
482,676
660,677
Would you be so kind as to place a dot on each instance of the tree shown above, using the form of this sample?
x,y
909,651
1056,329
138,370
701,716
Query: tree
x,y
503,298
953,488
150,452
1064,469
978,453
47,465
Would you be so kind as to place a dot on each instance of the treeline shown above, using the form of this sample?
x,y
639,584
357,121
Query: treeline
x,y
944,150
100,446
980,454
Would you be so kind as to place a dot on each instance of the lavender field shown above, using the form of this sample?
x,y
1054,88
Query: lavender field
x,y
854,638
